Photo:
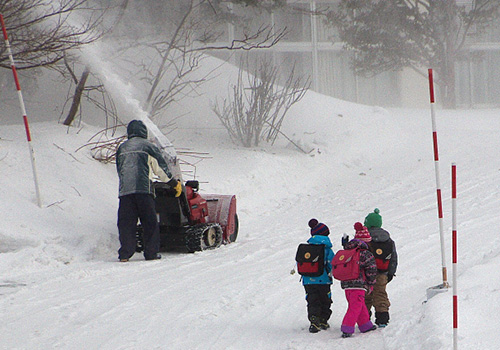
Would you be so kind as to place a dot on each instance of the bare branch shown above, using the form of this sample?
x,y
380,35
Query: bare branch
x,y
263,38
41,32
257,112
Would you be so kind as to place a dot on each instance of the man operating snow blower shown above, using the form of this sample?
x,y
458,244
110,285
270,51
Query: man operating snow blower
x,y
137,160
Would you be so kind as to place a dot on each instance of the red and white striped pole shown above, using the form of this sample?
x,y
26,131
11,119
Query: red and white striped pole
x,y
23,109
438,182
454,251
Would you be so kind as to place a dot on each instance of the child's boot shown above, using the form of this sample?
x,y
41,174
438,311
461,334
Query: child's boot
x,y
371,329
367,327
315,325
323,324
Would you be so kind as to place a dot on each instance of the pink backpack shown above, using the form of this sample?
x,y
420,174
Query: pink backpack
x,y
345,265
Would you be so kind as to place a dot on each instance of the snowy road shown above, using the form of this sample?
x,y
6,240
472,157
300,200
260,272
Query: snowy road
x,y
62,288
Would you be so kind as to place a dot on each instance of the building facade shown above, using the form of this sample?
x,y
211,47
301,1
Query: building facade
x,y
315,50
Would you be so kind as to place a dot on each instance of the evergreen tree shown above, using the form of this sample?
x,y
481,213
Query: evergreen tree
x,y
387,35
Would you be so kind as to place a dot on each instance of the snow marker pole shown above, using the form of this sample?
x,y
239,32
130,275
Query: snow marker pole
x,y
454,249
438,182
23,109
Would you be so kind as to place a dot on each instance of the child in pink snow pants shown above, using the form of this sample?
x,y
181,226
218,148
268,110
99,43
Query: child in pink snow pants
x,y
355,289
356,312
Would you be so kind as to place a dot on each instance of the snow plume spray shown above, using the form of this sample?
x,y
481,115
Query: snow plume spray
x,y
123,91
23,109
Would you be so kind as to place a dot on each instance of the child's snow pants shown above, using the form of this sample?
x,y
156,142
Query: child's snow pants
x,y
356,312
319,300
378,298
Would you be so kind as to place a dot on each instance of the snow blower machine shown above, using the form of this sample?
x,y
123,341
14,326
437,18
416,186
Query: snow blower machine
x,y
192,221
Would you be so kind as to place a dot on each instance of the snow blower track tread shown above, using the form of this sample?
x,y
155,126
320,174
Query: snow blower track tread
x,y
197,240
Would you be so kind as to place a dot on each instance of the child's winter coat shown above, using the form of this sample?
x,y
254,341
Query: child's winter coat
x,y
367,267
379,235
325,278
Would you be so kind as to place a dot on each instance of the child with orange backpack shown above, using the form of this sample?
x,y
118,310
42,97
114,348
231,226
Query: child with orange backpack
x,y
355,289
314,264
384,249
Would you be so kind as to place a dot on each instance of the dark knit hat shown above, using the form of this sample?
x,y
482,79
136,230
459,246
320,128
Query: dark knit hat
x,y
318,228
373,219
312,223
362,233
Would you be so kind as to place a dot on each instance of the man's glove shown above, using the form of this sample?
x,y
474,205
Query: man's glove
x,y
389,278
178,189
172,182
176,185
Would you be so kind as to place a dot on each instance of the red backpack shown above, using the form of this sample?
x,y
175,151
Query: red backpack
x,y
310,259
382,251
345,265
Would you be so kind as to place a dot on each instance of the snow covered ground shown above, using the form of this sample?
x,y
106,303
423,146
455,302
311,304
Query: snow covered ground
x,y
61,286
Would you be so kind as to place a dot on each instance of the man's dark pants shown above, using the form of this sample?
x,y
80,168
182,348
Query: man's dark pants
x,y
132,207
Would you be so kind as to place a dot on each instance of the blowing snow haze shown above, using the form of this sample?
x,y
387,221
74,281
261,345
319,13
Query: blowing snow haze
x,y
62,287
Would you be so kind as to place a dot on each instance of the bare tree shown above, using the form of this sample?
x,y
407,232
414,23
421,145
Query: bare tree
x,y
41,31
179,35
96,94
186,32
258,105
81,88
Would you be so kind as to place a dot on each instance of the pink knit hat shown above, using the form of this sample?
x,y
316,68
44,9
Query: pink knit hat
x,y
362,233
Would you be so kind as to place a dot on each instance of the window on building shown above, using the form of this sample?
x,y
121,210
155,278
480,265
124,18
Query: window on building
x,y
297,22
